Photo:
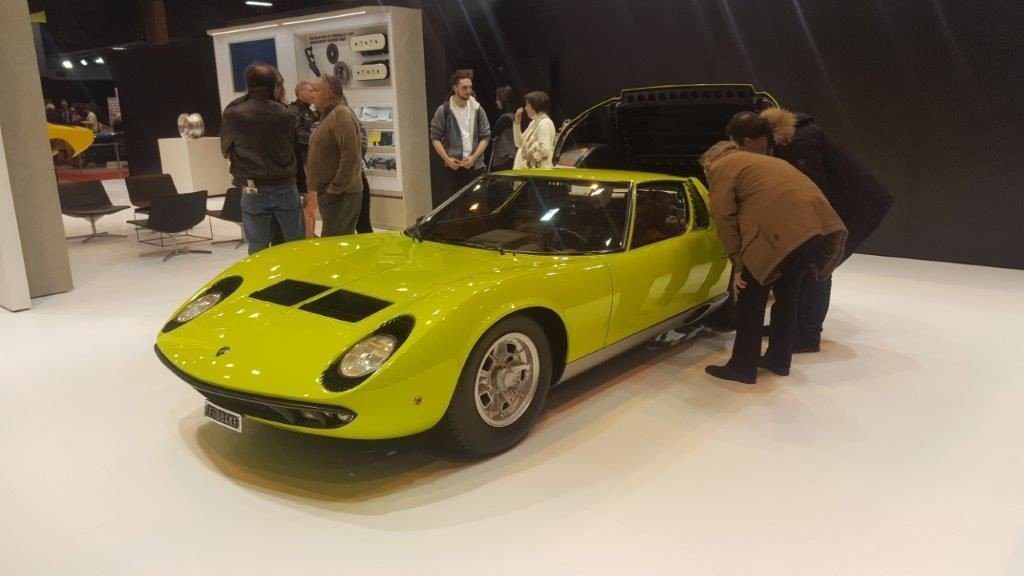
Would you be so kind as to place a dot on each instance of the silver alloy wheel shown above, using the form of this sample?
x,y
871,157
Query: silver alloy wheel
x,y
506,380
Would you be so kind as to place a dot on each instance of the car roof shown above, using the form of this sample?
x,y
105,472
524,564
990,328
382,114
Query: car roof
x,y
591,174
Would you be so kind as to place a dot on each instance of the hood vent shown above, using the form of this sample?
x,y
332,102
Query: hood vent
x,y
289,292
346,306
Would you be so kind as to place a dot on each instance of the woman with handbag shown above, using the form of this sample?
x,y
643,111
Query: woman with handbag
x,y
537,143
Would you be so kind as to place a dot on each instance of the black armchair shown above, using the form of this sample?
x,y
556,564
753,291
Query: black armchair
x,y
230,212
173,216
87,200
143,189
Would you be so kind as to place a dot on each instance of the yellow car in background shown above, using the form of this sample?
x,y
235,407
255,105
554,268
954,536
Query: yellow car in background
x,y
69,140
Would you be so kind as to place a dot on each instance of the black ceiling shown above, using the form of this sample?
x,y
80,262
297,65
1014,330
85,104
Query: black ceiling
x,y
76,25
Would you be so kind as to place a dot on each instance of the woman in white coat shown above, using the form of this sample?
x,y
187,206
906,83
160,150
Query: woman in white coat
x,y
537,143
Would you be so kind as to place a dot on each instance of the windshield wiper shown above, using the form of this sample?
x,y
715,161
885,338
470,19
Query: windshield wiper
x,y
470,243
414,231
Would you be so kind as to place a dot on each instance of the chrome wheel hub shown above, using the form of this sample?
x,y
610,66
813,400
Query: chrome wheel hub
x,y
506,380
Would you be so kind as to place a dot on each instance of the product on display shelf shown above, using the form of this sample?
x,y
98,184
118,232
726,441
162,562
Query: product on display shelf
x,y
311,61
369,44
372,71
332,53
343,73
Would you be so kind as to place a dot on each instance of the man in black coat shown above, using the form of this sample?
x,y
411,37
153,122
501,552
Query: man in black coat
x,y
854,193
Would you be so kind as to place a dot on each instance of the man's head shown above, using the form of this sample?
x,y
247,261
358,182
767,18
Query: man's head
x,y
304,91
462,85
260,75
328,90
749,131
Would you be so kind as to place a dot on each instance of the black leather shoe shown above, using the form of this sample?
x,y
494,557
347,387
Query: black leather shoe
x,y
767,365
727,373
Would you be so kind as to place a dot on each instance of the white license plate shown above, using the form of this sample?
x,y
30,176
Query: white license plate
x,y
225,418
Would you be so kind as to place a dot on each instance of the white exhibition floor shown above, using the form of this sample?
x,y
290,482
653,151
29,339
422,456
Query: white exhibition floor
x,y
896,450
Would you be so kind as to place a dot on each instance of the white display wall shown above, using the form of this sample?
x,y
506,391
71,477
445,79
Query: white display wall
x,y
392,109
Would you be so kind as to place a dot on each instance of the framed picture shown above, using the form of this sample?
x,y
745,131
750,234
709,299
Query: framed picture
x,y
245,53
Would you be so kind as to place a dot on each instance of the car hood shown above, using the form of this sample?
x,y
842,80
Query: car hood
x,y
661,129
255,338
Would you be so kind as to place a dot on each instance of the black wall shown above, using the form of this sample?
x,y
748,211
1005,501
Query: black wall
x,y
925,92
156,84
922,91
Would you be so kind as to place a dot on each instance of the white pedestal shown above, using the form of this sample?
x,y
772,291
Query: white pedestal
x,y
195,164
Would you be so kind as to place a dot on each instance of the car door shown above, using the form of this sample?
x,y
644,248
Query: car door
x,y
666,269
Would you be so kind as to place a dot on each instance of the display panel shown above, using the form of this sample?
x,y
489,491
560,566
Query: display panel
x,y
245,53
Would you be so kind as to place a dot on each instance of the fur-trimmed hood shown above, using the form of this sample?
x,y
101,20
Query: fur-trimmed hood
x,y
783,124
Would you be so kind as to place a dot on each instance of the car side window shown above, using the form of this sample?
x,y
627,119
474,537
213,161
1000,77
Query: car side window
x,y
662,212
701,215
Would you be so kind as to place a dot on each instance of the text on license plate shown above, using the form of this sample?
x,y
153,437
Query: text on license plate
x,y
225,418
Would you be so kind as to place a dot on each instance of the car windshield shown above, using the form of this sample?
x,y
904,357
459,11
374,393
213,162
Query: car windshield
x,y
532,214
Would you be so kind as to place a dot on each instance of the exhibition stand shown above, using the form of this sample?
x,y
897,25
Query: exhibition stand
x,y
195,164
377,52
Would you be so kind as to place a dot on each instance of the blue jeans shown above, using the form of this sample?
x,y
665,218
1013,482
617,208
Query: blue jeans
x,y
258,210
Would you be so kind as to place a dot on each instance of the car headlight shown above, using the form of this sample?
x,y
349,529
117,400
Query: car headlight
x,y
367,356
198,306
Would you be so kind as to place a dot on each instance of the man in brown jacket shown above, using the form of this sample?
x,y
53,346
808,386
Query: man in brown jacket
x,y
334,170
775,225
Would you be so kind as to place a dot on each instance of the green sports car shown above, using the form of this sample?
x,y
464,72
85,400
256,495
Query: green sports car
x,y
463,322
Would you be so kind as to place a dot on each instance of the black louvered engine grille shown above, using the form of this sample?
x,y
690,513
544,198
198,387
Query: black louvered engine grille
x,y
289,292
346,306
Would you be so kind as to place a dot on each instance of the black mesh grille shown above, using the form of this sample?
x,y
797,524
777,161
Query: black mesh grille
x,y
400,327
289,292
346,306
226,286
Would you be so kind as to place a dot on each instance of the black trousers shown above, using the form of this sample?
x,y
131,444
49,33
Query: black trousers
x,y
750,306
816,296
363,224
462,177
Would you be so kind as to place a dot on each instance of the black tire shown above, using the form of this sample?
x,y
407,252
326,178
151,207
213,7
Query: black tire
x,y
463,428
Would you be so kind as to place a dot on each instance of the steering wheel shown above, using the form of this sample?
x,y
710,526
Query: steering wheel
x,y
580,243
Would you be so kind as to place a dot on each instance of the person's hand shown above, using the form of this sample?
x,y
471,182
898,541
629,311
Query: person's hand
x,y
452,163
738,283
519,116
469,162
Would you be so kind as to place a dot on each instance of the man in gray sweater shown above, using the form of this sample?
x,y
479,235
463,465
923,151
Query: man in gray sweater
x,y
334,171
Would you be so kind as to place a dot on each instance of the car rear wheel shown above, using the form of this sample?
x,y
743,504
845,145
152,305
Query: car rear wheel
x,y
501,390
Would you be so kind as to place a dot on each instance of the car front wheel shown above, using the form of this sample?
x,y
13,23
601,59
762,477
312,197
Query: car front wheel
x,y
501,390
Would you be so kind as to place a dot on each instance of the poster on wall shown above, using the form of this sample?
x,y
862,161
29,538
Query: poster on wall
x,y
245,53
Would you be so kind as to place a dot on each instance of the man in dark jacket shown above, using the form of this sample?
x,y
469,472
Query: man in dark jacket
x,y
258,136
306,119
854,193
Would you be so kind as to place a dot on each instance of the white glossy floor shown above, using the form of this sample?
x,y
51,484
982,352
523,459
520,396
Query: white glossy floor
x,y
896,450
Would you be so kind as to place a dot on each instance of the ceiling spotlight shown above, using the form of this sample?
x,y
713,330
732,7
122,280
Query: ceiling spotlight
x,y
99,60
119,48
255,3
67,64
84,62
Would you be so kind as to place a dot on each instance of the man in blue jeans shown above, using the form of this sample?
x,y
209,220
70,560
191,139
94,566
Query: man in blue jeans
x,y
258,136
